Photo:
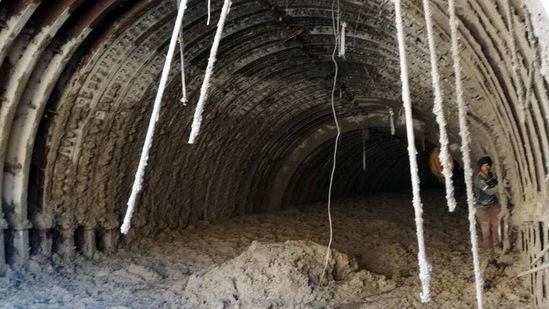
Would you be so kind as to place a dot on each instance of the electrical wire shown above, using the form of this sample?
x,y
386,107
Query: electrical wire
x,y
334,164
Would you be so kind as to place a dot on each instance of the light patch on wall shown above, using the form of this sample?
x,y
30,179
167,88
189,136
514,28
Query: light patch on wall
x,y
539,10
546,6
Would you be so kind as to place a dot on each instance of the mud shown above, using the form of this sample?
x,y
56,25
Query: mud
x,y
281,256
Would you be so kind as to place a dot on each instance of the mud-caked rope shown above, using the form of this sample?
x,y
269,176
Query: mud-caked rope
x,y
197,119
444,155
464,134
342,40
138,181
424,266
182,59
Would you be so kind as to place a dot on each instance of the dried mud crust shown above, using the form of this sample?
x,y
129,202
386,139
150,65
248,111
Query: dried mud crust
x,y
284,275
374,265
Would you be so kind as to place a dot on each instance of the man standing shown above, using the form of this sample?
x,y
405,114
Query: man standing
x,y
487,204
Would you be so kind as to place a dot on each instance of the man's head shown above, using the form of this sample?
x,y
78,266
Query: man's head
x,y
485,164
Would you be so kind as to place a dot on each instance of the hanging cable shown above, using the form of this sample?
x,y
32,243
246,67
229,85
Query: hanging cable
x,y
183,84
342,40
424,267
464,134
336,71
392,121
364,137
444,155
209,12
182,60
197,120
138,181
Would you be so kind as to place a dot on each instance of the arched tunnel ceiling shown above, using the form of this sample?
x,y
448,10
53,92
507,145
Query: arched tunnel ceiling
x,y
80,78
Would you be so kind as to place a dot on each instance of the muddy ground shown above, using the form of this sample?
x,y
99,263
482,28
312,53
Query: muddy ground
x,y
277,261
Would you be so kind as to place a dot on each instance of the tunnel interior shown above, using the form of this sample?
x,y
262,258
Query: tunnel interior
x,y
378,164
81,76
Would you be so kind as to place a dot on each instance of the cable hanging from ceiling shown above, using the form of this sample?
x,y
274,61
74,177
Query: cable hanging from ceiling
x,y
209,12
176,37
182,60
465,151
335,25
392,120
444,155
183,83
138,180
197,119
424,266
365,136
342,40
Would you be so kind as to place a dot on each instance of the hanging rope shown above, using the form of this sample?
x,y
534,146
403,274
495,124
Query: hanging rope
x,y
197,120
182,60
138,181
183,84
444,155
424,267
392,121
209,12
364,137
464,134
342,40
334,164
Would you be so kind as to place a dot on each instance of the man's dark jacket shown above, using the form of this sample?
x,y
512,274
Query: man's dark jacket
x,y
485,190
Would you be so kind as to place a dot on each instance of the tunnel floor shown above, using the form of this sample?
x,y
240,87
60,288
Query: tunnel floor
x,y
379,232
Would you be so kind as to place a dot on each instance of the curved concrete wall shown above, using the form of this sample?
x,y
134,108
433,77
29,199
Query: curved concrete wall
x,y
79,78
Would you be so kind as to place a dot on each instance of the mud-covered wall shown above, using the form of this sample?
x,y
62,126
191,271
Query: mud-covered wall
x,y
79,78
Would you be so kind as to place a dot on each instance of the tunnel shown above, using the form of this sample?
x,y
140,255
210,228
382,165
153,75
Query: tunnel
x,y
79,78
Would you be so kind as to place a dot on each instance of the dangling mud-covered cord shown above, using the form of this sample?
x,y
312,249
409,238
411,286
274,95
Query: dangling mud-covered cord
x,y
464,134
424,267
438,110
138,181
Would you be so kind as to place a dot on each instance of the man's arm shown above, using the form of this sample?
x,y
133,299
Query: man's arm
x,y
491,191
490,184
481,185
